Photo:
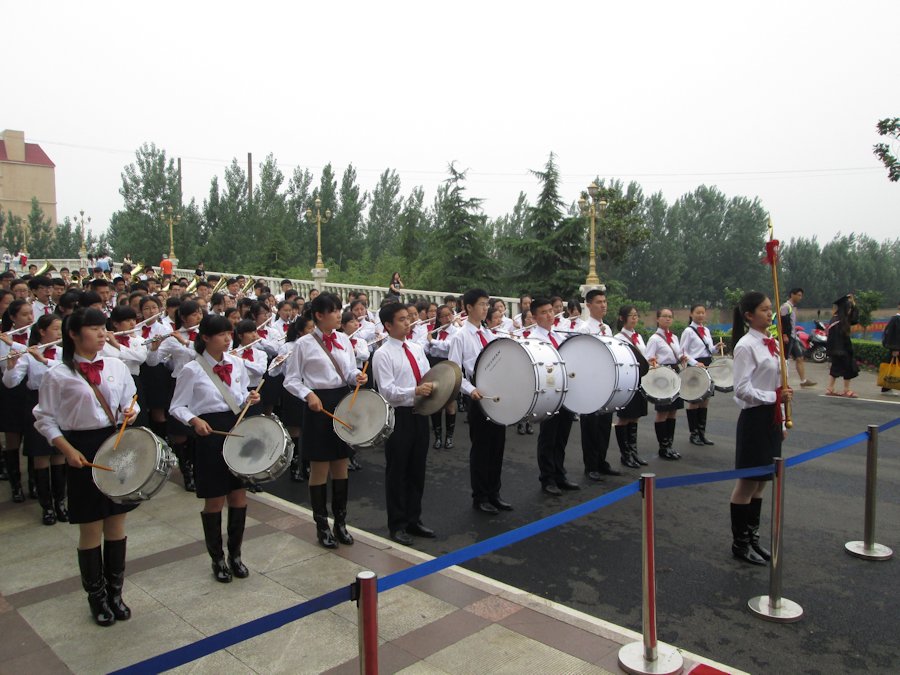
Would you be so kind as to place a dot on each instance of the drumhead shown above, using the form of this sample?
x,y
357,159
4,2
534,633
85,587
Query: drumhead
x,y
368,417
592,372
721,371
661,384
695,383
262,444
132,463
505,371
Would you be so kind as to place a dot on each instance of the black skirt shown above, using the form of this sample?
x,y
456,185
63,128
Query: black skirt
x,y
272,390
843,366
758,440
35,443
158,386
320,443
86,503
211,473
637,407
15,418
291,412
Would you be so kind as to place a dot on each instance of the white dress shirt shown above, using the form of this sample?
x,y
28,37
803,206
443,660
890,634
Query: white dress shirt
x,y
625,336
309,367
664,353
132,355
30,367
465,346
572,323
594,327
67,401
286,349
270,341
394,373
361,349
757,372
196,394
255,368
40,309
174,354
694,346
543,335
439,347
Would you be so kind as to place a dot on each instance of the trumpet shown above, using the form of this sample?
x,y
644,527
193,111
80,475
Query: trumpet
x,y
45,269
15,353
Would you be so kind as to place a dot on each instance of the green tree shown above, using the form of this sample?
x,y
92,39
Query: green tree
x,y
384,211
13,238
889,127
413,226
867,302
40,231
66,240
347,226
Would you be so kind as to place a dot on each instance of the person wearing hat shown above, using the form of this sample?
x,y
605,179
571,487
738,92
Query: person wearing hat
x,y
890,340
840,347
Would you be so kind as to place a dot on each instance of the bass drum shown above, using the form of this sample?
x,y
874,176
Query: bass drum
x,y
603,374
520,381
140,466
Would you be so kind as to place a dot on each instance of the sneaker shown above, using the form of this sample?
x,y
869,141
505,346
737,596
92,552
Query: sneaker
x,y
808,383
889,392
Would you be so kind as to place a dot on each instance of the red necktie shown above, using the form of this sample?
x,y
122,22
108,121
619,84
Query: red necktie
x,y
634,338
572,324
21,338
284,327
192,335
91,371
482,338
331,341
556,321
223,370
442,335
668,335
248,354
145,331
46,309
701,331
409,335
50,353
124,340
353,342
262,332
553,341
602,329
412,362
772,345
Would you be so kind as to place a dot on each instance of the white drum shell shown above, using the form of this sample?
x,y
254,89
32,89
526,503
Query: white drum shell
x,y
141,466
603,374
696,384
721,370
372,419
263,453
520,381
661,385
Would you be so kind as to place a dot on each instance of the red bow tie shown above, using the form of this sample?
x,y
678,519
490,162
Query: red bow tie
x,y
262,332
572,324
247,354
442,335
556,321
145,331
634,338
526,334
284,327
668,335
91,371
701,331
21,338
192,335
331,341
124,340
50,353
430,327
772,345
223,370
353,342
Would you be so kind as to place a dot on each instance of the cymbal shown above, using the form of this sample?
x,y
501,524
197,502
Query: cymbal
x,y
446,377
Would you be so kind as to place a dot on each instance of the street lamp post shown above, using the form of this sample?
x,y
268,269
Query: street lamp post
x,y
590,209
319,272
172,219
82,252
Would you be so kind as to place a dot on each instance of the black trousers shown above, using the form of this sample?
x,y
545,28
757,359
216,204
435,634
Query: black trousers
x,y
551,447
595,440
486,454
405,454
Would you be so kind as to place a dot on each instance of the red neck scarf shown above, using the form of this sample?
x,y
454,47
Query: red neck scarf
x,y
50,353
21,338
145,331
262,332
772,345
668,335
442,335
701,331
124,340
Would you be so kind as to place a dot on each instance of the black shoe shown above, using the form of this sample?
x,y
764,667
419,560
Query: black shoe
x,y
448,443
741,515
402,538
529,429
637,458
48,517
237,519
520,429
420,530
114,572
212,533
18,496
90,563
318,499
696,440
340,490
501,504
437,443
593,475
551,489
255,488
62,513
220,571
629,461
485,507
609,471
567,485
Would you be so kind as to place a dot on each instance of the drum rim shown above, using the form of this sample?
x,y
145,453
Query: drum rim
x,y
269,418
339,429
534,367
607,342
98,475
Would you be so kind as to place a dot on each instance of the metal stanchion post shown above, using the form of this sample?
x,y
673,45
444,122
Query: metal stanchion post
x,y
367,619
773,607
868,549
649,655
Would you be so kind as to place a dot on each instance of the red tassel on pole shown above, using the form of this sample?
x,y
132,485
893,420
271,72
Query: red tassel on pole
x,y
771,256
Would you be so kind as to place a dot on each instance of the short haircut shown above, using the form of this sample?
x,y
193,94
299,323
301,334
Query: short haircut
x,y
39,282
387,313
245,326
540,301
796,289
593,294
99,283
122,313
473,295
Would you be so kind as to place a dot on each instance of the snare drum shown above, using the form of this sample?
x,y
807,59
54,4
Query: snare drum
x,y
520,381
372,419
661,385
696,384
262,453
602,374
721,370
140,466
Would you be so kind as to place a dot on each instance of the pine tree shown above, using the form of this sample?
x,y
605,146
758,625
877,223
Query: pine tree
x,y
40,231
383,213
347,227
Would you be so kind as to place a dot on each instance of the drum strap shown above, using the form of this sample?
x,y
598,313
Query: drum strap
x,y
100,398
220,385
708,350
330,356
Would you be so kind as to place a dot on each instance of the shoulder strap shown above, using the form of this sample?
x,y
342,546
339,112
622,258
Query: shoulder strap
x,y
708,350
100,397
220,385
330,356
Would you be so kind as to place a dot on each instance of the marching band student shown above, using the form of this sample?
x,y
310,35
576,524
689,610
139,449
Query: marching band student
x,y
255,360
573,320
320,371
488,439
217,303
554,433
128,348
524,305
697,343
156,380
494,321
399,366
270,343
437,349
349,326
199,403
595,427
758,393
506,323
14,416
40,288
283,319
558,308
291,411
366,325
527,321
627,418
81,402
49,463
233,316
663,349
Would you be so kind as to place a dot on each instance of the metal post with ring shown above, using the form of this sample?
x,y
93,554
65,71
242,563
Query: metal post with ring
x,y
868,549
365,592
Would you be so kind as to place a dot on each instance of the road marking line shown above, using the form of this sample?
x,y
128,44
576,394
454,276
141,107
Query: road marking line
x,y
870,400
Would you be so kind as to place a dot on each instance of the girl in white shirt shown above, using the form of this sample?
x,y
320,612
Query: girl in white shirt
x,y
758,393
197,402
128,348
291,411
627,418
71,417
437,348
698,346
255,360
156,380
664,349
14,412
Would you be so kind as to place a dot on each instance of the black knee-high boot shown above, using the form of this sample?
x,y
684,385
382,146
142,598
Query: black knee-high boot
x,y
632,443
184,463
436,419
740,545
42,479
662,437
753,514
340,488
114,571
701,425
90,562
11,459
693,415
58,488
237,519
451,427
4,475
158,428
212,532
318,499
32,485
670,436
297,463
624,448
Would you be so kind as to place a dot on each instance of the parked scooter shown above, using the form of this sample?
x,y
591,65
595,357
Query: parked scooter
x,y
813,344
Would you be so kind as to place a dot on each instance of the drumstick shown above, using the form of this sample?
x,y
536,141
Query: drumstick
x,y
98,466
125,423
247,405
356,391
224,433
495,399
337,419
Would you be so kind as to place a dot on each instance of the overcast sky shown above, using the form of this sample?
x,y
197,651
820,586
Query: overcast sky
x,y
775,100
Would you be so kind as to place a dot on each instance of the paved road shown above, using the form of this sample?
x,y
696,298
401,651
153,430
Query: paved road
x,y
852,614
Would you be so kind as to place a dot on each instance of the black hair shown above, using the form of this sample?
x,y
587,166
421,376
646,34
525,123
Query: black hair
x,y
43,323
538,302
554,298
422,305
323,303
493,310
748,304
39,282
699,304
286,281
4,293
281,305
217,298
296,328
258,308
185,309
211,324
89,298
81,317
356,303
523,296
796,289
347,317
622,316
231,310
291,293
99,283
472,296
244,326
593,294
149,298
7,322
122,313
661,310
573,304
68,300
387,313
58,281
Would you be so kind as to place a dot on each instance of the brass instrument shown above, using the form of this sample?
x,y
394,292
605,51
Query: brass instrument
x,y
191,287
220,284
247,286
45,269
137,269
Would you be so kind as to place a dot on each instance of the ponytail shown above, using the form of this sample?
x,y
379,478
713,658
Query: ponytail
x,y
748,304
